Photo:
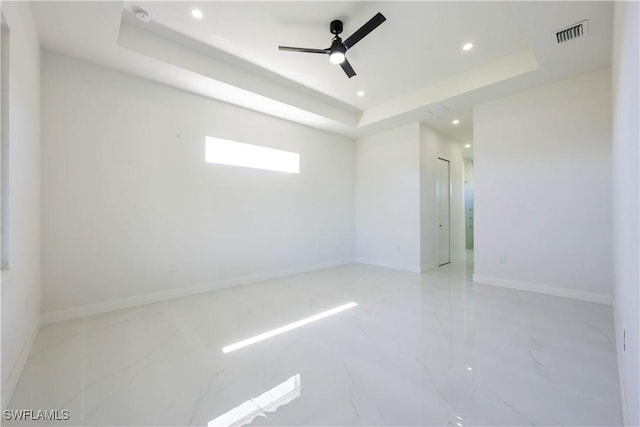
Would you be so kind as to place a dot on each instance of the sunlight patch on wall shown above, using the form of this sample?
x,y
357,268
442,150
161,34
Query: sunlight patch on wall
x,y
225,152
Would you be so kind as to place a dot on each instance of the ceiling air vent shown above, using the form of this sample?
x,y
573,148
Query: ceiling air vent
x,y
572,32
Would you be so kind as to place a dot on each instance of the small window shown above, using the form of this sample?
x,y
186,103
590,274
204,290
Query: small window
x,y
224,152
4,141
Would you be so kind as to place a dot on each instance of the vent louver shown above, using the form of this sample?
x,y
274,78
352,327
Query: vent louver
x,y
572,32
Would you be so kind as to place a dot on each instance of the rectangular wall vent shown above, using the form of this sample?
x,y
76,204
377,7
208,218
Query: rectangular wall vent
x,y
572,32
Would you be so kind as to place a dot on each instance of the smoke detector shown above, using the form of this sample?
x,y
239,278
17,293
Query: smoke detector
x,y
142,16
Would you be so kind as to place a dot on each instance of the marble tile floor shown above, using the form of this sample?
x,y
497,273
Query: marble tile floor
x,y
417,349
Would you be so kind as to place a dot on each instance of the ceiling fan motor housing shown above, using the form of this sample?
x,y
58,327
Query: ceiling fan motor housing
x,y
335,27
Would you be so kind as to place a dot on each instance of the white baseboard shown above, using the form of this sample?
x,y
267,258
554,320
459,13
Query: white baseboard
x,y
394,266
12,380
545,289
138,300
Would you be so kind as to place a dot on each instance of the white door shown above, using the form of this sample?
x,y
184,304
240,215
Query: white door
x,y
468,202
443,197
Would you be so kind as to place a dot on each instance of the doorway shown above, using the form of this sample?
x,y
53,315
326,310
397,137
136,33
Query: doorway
x,y
443,202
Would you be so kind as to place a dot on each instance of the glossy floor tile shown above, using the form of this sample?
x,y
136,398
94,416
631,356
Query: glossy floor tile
x,y
430,349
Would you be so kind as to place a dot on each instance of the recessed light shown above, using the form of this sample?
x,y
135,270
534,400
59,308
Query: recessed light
x,y
467,146
197,13
456,121
469,368
467,46
360,93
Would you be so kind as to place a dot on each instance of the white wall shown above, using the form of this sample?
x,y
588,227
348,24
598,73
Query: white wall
x,y
21,292
626,195
388,198
542,189
432,146
127,192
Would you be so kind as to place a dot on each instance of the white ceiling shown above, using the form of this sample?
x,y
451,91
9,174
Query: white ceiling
x,y
415,45
411,67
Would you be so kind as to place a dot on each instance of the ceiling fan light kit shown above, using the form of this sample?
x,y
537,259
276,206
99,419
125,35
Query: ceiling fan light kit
x,y
338,49
336,55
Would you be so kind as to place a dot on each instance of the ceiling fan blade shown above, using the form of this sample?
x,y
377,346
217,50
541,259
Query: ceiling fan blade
x,y
303,49
371,25
348,69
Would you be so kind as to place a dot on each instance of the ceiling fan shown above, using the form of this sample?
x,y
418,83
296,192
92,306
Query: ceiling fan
x,y
338,47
